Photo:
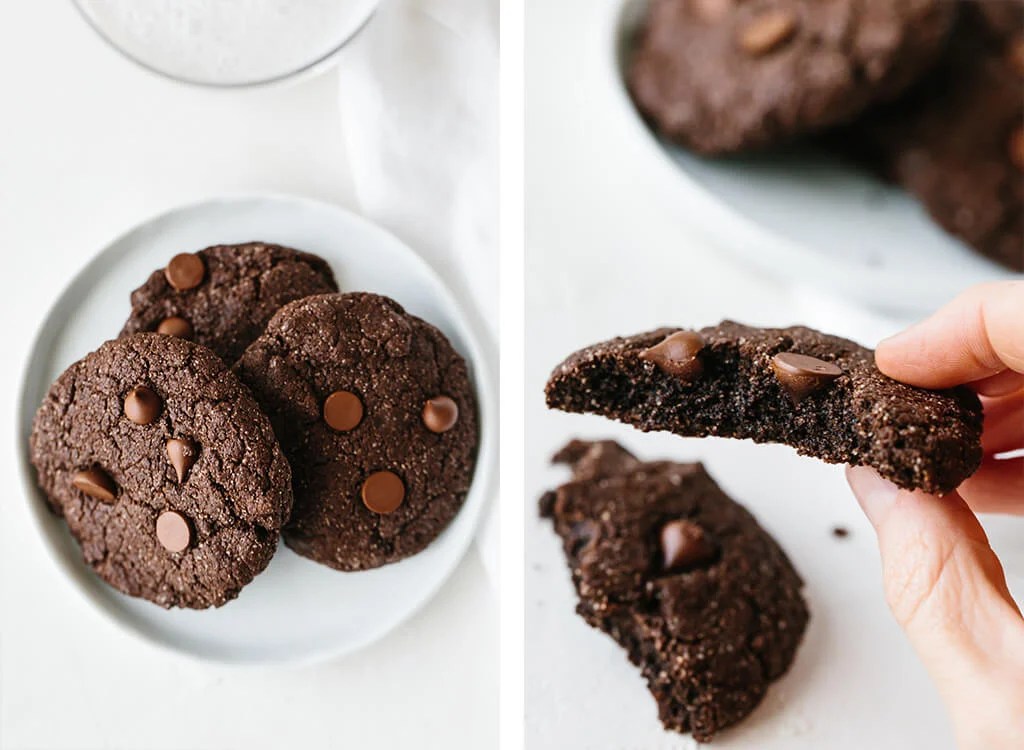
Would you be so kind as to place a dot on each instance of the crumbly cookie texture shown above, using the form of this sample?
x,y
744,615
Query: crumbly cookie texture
x,y
375,411
704,601
223,296
723,76
820,394
166,471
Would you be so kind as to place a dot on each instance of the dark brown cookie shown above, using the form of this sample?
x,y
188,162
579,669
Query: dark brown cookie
x,y
957,141
820,394
223,296
165,470
376,413
723,76
705,602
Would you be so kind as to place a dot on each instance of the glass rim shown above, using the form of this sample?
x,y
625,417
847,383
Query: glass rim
x,y
308,68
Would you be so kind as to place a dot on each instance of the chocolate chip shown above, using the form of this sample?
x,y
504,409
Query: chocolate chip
x,y
343,411
1015,53
1017,148
684,545
96,483
173,531
185,271
175,326
801,375
712,11
383,492
182,454
677,355
840,532
440,414
142,405
767,31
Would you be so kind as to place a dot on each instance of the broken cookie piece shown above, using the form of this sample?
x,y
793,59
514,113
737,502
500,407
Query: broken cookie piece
x,y
820,394
704,601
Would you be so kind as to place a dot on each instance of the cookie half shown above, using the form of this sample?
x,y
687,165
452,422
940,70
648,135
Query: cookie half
x,y
375,411
723,76
165,470
704,601
820,394
222,297
957,141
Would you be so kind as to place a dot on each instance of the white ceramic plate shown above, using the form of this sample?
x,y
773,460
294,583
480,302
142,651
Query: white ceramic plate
x,y
296,611
799,214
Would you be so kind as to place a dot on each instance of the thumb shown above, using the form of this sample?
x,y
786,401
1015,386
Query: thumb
x,y
948,592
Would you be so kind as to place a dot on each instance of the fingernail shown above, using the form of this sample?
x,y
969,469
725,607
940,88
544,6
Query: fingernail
x,y
896,338
875,494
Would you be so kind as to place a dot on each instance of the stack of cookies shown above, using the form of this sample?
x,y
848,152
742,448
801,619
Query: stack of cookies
x,y
927,93
246,399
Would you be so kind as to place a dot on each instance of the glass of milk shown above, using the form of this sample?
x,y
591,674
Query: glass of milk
x,y
229,43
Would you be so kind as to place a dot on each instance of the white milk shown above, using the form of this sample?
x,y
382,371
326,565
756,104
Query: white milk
x,y
228,41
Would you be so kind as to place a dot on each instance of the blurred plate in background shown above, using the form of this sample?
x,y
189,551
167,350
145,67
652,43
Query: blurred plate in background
x,y
798,214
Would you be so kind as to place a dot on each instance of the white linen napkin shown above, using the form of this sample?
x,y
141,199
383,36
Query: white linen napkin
x,y
418,91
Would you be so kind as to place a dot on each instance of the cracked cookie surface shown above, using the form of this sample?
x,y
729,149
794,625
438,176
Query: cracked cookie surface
x,y
165,470
704,601
722,76
376,413
733,380
223,296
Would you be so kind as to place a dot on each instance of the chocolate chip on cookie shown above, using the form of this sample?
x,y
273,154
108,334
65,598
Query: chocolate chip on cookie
x,y
723,76
223,296
165,470
376,413
820,394
703,600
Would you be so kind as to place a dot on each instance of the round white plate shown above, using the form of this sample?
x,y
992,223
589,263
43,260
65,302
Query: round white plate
x,y
799,214
296,611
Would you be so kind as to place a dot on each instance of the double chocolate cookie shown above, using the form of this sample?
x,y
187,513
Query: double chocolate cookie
x,y
701,597
223,296
957,142
820,394
723,76
165,470
376,413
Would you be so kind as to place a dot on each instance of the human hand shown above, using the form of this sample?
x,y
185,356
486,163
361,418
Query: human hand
x,y
943,582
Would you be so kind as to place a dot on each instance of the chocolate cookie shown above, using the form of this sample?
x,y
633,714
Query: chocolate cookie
x,y
165,470
820,394
223,296
376,413
704,601
957,142
722,76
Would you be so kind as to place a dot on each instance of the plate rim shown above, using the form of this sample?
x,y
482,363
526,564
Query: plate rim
x,y
616,23
484,474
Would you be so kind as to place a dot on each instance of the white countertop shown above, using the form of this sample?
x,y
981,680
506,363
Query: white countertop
x,y
605,258
90,146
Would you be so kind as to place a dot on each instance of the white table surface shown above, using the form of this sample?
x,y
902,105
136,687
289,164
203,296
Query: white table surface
x,y
605,258
90,145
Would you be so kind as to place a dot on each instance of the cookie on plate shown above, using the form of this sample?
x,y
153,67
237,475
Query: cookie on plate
x,y
223,296
820,394
165,470
722,76
702,598
375,411
957,142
